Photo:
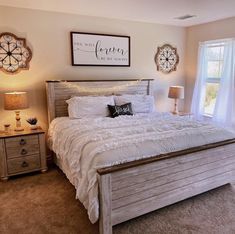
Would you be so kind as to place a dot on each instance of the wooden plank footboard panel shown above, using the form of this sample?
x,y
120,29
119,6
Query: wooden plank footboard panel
x,y
138,190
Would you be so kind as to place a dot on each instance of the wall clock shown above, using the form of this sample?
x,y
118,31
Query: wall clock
x,y
166,58
14,53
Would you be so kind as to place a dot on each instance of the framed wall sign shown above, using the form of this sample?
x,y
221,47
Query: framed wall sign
x,y
90,49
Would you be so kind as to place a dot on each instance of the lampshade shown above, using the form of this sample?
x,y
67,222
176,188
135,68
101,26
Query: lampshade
x,y
176,92
15,101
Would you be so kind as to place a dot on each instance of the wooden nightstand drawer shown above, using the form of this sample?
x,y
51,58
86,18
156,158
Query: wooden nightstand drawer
x,y
28,163
22,146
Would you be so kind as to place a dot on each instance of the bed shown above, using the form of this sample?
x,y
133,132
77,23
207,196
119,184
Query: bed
x,y
143,183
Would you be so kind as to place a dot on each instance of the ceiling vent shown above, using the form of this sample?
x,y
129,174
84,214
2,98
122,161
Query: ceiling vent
x,y
184,17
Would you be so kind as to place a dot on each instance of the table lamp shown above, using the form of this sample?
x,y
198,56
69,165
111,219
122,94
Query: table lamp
x,y
176,92
16,101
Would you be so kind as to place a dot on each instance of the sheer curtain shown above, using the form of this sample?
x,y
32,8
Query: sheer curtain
x,y
224,112
200,85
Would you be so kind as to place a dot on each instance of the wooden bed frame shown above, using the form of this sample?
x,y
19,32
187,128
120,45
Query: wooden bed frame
x,y
136,188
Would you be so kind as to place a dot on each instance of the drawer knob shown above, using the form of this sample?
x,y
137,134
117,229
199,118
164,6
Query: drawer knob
x,y
22,141
24,151
24,164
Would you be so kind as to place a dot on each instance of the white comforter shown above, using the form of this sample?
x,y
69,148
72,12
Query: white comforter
x,y
84,145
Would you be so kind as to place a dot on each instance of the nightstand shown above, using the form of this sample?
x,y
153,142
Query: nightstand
x,y
22,152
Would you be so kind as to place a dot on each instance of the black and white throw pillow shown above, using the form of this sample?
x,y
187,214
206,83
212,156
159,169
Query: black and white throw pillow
x,y
125,109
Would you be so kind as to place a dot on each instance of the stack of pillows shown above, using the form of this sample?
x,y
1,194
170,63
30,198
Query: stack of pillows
x,y
109,106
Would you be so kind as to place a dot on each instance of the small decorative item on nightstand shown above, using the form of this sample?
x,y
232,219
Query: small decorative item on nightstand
x,y
16,101
22,152
7,128
176,92
33,123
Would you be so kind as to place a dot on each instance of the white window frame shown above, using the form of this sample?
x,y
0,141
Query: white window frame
x,y
213,80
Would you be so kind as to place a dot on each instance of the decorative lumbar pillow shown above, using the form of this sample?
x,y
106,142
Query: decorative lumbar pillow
x,y
140,103
125,109
89,106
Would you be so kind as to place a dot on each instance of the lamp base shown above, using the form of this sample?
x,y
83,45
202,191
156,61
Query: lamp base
x,y
175,112
19,129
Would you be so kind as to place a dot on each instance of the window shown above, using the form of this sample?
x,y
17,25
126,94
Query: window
x,y
214,92
214,66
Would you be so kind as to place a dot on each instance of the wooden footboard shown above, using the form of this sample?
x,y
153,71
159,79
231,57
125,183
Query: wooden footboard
x,y
130,191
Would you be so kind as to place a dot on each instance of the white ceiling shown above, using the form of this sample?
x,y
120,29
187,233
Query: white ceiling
x,y
153,11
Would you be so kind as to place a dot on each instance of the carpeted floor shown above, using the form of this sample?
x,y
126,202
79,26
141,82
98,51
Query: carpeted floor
x,y
44,203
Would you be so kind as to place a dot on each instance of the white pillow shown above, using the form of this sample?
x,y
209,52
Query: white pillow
x,y
89,106
140,103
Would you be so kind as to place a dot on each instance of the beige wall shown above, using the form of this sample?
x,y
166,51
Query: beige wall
x,y
47,34
211,31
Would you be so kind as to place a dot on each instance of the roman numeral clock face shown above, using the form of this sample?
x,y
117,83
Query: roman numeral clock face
x,y
166,58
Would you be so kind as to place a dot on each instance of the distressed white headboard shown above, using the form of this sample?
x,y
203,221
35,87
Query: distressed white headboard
x,y
58,91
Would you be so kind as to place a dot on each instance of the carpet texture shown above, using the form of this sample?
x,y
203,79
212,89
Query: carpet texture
x,y
45,203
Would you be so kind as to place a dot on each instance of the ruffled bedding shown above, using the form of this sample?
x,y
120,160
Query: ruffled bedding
x,y
85,145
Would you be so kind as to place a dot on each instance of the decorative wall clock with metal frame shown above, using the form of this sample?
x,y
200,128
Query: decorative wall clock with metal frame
x,y
14,53
166,58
